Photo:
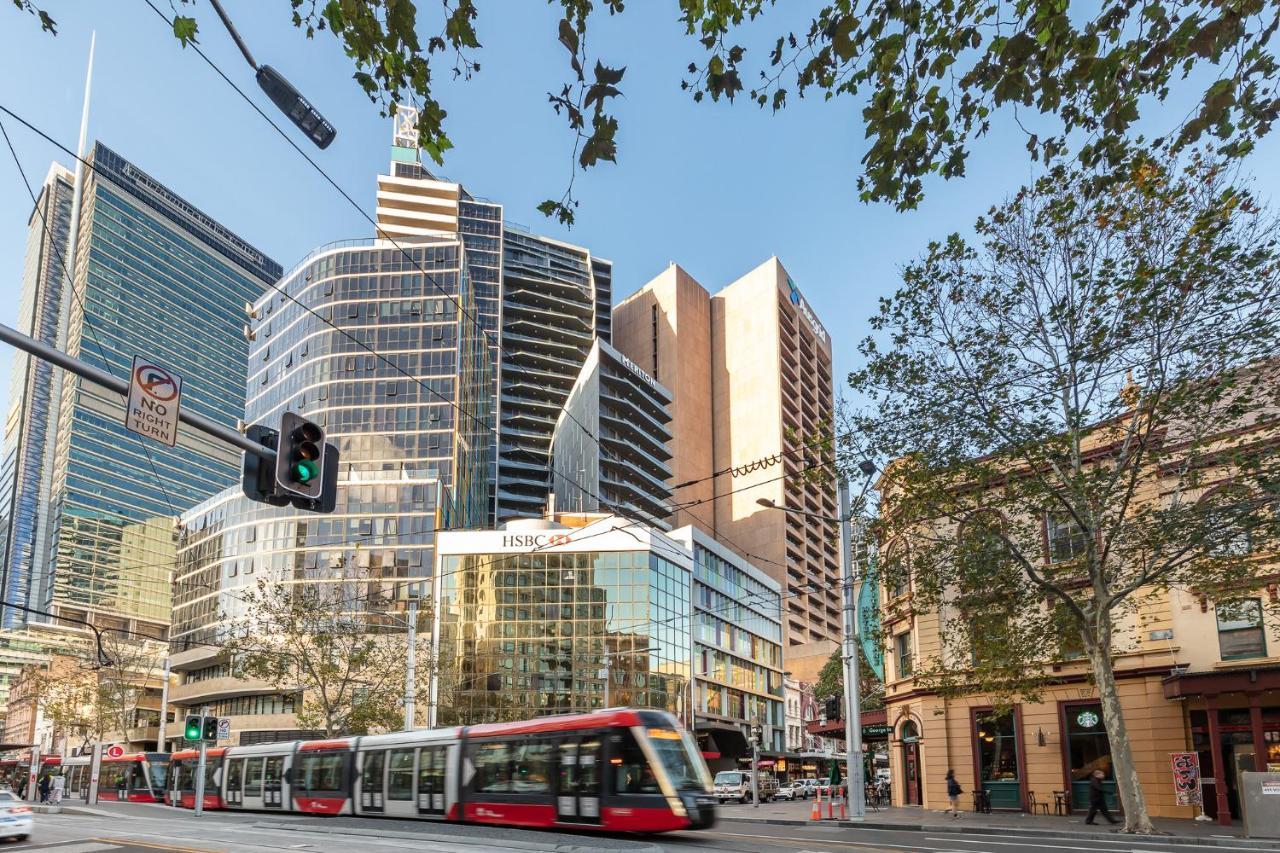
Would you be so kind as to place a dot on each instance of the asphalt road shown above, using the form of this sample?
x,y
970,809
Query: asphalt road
x,y
122,828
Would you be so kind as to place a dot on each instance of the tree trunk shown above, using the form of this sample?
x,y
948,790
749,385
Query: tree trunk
x,y
1132,800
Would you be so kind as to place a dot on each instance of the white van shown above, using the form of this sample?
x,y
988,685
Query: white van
x,y
736,785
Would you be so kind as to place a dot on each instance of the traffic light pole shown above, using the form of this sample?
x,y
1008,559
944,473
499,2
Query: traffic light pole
x,y
857,792
199,805
120,386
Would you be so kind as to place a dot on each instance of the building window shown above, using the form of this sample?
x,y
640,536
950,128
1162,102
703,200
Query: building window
x,y
1067,539
902,655
1240,629
996,738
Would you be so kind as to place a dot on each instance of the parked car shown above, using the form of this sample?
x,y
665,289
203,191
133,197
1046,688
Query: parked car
x,y
792,791
810,787
15,817
736,785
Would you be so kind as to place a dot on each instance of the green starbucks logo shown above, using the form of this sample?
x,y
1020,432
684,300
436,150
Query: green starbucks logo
x,y
1087,719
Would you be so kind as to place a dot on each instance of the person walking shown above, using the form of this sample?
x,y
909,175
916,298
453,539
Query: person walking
x,y
953,793
44,788
1098,799
59,787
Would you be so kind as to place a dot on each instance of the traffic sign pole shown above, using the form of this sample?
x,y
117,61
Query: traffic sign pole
x,y
199,810
100,377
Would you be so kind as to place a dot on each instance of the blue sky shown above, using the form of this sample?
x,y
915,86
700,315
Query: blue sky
x,y
717,188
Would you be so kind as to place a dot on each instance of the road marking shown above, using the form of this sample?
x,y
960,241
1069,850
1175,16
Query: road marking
x,y
772,839
1042,839
153,846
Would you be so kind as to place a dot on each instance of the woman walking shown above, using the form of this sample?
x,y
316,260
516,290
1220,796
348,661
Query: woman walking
x,y
953,793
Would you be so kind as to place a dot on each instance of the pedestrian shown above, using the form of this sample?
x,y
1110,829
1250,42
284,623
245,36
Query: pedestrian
x,y
1098,799
44,788
953,793
59,786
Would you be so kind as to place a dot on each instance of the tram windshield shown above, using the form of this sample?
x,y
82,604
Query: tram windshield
x,y
680,758
159,775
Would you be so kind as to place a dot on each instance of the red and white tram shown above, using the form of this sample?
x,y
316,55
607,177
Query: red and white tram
x,y
615,771
138,777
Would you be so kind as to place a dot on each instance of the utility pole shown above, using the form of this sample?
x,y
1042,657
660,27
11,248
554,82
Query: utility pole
x,y
853,704
199,805
433,687
95,773
410,676
163,745
756,732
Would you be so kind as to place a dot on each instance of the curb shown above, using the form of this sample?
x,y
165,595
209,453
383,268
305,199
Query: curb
x,y
467,840
1174,840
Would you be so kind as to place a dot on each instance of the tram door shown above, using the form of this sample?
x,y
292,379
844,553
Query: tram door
x,y
372,773
273,783
431,780
578,782
253,793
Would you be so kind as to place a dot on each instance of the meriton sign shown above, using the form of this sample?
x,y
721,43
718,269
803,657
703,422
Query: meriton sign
x,y
803,307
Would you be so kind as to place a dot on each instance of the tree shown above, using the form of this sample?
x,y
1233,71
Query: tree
x,y
321,641
831,682
933,77
1098,373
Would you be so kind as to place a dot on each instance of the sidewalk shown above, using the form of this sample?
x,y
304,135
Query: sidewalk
x,y
1176,830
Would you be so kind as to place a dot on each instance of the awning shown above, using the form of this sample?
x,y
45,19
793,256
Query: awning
x,y
1253,679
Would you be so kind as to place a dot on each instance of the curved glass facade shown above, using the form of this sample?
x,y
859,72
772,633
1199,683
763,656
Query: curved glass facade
x,y
410,425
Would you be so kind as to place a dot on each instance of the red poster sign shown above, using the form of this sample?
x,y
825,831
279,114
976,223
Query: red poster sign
x,y
1186,778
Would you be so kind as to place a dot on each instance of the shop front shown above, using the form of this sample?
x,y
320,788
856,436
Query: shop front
x,y
1234,717
1085,749
999,765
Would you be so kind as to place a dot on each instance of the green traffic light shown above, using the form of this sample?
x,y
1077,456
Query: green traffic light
x,y
193,728
305,471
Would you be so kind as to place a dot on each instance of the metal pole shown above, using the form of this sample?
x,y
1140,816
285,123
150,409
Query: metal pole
x,y
853,705
226,22
199,805
120,386
756,731
433,689
410,686
163,745
608,676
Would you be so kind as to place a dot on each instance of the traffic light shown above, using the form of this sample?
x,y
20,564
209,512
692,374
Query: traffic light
x,y
832,708
210,729
257,479
195,725
296,107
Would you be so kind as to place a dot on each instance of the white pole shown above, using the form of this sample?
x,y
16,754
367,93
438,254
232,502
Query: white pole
x,y
163,745
410,685
95,772
608,677
853,704
433,688
199,805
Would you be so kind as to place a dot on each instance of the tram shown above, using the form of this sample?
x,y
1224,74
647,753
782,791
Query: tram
x,y
14,771
618,770
137,777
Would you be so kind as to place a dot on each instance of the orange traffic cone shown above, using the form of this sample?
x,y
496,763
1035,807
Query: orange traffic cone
x,y
816,814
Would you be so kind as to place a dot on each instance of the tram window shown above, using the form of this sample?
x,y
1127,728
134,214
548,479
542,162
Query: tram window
x,y
400,775
234,774
210,770
631,771
185,777
431,771
159,774
253,778
493,768
532,768
588,769
371,774
274,766
322,772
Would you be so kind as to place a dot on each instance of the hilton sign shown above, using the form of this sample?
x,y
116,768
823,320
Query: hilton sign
x,y
535,540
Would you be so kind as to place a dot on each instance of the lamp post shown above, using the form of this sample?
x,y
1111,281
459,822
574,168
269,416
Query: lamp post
x,y
849,640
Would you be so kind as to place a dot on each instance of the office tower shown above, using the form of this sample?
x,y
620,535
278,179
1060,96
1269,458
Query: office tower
x,y
27,466
610,441
154,276
411,423
541,302
764,357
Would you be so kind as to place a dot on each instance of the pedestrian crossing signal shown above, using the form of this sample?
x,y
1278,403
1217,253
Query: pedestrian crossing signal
x,y
194,727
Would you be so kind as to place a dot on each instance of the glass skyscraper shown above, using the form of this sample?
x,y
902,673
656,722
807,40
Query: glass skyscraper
x,y
27,465
154,276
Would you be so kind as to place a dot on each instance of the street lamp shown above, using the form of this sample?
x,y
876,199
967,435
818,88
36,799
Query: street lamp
x,y
849,638
281,92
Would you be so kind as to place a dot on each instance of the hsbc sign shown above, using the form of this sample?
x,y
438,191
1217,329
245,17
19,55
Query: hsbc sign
x,y
535,540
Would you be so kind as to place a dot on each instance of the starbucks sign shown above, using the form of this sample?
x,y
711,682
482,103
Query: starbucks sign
x,y
1087,719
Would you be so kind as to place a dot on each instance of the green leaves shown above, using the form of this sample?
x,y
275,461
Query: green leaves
x,y
185,29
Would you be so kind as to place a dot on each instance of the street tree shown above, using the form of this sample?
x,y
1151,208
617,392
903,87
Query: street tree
x,y
1078,408
325,642
831,682
931,79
